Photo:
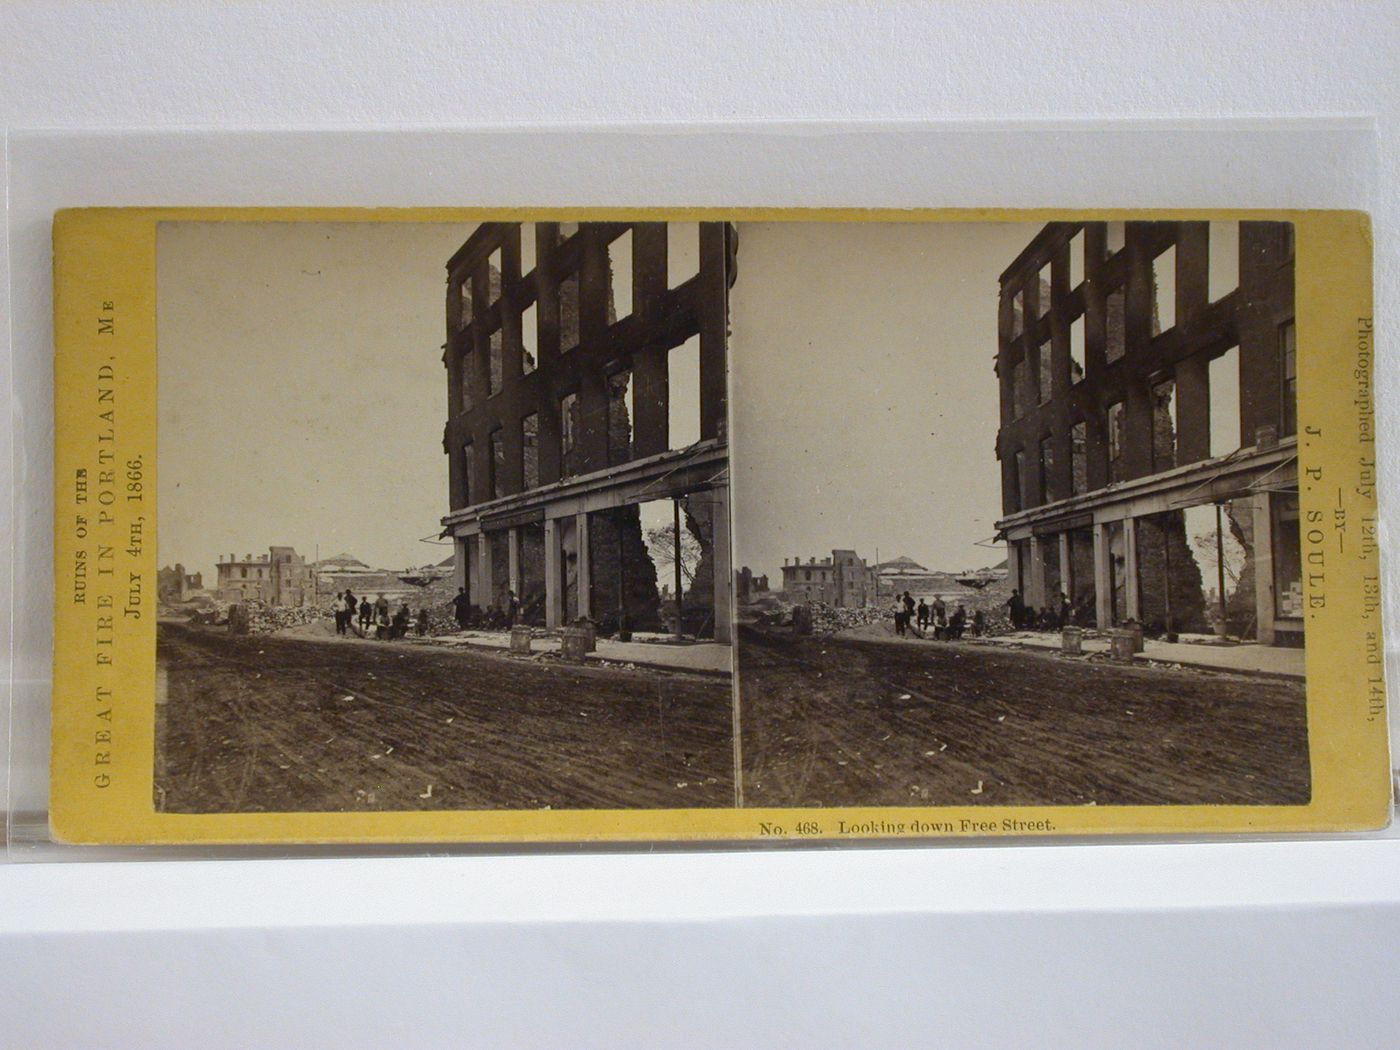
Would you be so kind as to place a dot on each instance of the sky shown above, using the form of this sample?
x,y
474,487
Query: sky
x,y
864,403
302,392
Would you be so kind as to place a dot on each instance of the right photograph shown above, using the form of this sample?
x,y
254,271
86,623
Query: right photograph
x,y
1015,511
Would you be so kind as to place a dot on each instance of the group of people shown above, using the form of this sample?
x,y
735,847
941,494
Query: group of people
x,y
925,619
358,615
493,618
1059,613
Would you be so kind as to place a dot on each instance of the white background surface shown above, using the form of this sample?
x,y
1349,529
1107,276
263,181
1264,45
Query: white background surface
x,y
1262,944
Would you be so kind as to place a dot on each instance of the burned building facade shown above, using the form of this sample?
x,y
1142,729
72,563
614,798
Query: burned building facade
x,y
175,585
279,577
1148,438
587,382
842,580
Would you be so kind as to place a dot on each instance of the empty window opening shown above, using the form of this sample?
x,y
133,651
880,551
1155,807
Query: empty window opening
x,y
1164,425
1288,558
683,418
1170,595
567,230
568,313
493,269
1220,537
1018,314
1164,291
529,339
498,464
623,577
682,252
1076,260
1115,424
1224,270
568,435
1223,377
1076,350
1021,501
1022,387
1080,586
620,416
527,248
499,583
468,471
620,263
468,363
464,307
1044,289
497,363
1288,376
1116,544
1115,236
679,537
1115,327
1046,371
1079,459
1047,470
530,450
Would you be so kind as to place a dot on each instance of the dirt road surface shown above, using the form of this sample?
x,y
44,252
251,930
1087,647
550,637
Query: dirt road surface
x,y
841,722
264,724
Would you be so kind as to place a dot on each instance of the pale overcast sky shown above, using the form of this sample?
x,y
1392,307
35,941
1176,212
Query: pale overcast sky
x,y
302,391
864,404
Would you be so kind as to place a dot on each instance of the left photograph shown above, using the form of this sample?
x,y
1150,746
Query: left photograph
x,y
444,516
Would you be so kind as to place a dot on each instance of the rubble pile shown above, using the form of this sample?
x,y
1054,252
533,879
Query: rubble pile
x,y
827,619
267,619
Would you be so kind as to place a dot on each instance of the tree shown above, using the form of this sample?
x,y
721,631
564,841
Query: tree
x,y
661,542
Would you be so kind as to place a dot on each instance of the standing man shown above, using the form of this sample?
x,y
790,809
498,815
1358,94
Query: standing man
x,y
461,608
512,608
923,615
339,613
1017,606
366,615
350,609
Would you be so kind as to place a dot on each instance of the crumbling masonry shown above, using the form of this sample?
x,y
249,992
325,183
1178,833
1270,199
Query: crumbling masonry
x,y
560,421
1148,440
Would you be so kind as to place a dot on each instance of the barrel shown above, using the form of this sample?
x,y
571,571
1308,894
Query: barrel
x,y
573,644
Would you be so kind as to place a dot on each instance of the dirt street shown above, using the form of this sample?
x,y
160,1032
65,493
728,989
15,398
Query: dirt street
x,y
260,724
841,722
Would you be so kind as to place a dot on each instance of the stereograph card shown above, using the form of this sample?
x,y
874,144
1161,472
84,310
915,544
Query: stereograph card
x,y
514,526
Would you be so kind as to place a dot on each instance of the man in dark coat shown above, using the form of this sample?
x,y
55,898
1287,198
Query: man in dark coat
x,y
462,608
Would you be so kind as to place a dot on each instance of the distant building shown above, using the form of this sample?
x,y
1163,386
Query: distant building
x,y
280,577
842,580
175,585
747,585
1148,444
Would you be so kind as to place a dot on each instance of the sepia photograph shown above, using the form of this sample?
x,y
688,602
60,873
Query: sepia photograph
x,y
443,516
1016,514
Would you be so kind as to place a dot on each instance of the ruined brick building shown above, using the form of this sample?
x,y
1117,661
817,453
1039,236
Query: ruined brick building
x,y
279,577
1148,440
565,345
842,580
176,585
